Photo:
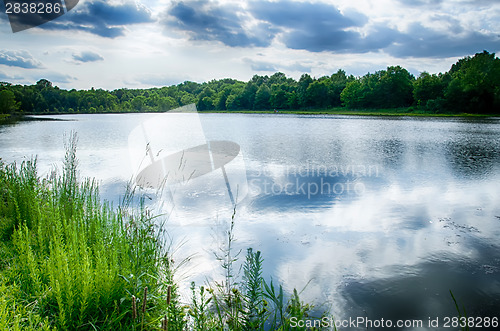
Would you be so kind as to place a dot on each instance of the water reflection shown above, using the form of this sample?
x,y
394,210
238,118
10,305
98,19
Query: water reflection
x,y
291,189
423,219
392,152
473,158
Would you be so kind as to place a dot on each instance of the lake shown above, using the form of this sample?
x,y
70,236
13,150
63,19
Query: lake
x,y
376,217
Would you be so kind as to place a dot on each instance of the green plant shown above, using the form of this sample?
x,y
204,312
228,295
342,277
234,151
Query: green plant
x,y
462,315
73,258
254,296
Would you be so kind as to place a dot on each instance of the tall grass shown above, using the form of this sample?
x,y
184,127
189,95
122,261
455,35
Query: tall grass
x,y
73,259
69,261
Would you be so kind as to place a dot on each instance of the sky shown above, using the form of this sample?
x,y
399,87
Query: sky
x,y
152,43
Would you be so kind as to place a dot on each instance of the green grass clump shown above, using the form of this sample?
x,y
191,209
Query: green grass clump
x,y
72,259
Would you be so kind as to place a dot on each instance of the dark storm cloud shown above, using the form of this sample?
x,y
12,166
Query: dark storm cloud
x,y
87,56
204,20
101,18
22,59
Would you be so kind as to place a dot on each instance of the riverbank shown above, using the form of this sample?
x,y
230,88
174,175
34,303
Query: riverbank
x,y
359,112
406,111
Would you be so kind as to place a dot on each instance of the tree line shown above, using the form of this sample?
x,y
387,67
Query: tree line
x,y
472,85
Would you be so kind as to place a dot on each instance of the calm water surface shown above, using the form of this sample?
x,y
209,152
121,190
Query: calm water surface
x,y
379,217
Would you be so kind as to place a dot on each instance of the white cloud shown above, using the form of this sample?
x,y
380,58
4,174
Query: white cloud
x,y
19,58
218,41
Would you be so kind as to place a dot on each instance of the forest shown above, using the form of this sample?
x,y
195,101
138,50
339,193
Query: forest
x,y
472,85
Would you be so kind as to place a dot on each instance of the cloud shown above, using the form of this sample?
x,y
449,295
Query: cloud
x,y
260,65
56,78
302,15
101,18
314,27
204,20
318,27
87,56
22,59
157,80
257,65
421,41
418,3
9,78
322,27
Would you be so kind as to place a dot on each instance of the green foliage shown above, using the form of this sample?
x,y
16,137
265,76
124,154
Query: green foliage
x,y
472,85
8,102
72,260
475,84
428,88
262,98
391,88
15,316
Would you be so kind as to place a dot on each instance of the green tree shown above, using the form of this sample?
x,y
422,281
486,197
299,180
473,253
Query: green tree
x,y
383,89
277,78
304,82
8,104
187,99
279,96
206,99
220,100
395,88
248,96
428,91
43,83
475,84
293,100
351,95
138,102
166,103
262,98
317,94
338,83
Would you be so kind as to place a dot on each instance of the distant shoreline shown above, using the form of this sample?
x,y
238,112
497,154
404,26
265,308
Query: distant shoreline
x,y
396,112
332,111
362,112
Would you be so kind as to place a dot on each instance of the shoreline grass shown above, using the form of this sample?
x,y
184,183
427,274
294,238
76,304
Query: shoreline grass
x,y
389,112
401,112
71,258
